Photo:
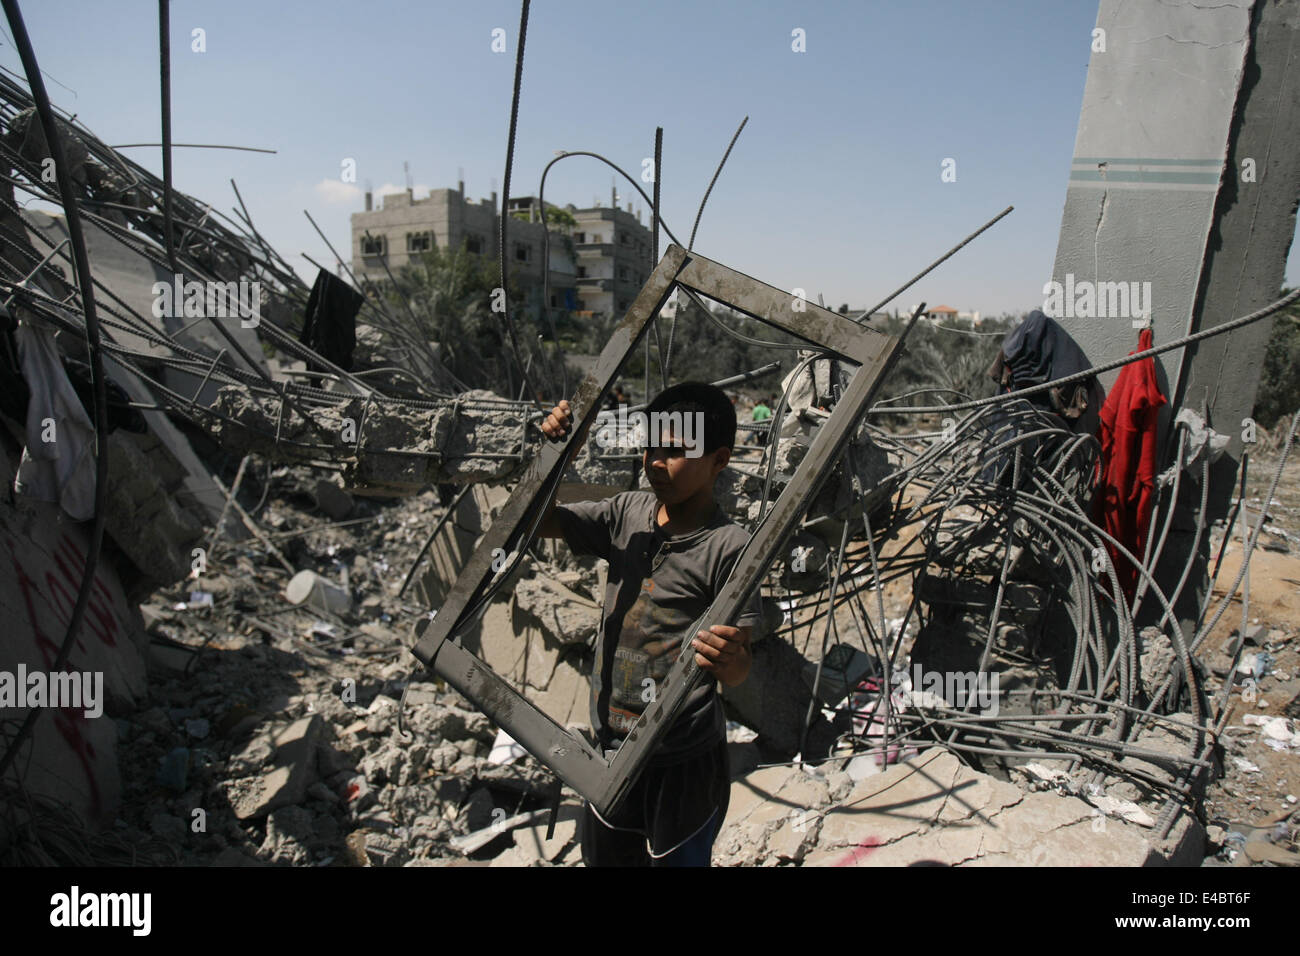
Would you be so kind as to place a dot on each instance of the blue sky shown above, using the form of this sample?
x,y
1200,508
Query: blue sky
x,y
834,186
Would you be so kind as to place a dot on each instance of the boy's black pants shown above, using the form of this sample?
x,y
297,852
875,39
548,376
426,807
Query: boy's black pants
x,y
667,807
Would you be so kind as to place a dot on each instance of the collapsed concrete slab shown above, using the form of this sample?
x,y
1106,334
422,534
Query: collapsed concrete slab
x,y
144,517
281,764
932,810
476,438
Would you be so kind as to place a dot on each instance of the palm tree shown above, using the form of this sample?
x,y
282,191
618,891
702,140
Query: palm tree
x,y
451,294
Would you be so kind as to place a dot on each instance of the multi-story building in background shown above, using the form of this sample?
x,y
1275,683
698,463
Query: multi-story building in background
x,y
596,266
613,251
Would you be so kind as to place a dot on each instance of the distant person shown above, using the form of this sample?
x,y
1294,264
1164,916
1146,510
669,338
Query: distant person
x,y
617,398
762,413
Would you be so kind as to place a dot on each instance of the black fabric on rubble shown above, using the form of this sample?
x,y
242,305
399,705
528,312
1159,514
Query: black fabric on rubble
x,y
1039,350
330,324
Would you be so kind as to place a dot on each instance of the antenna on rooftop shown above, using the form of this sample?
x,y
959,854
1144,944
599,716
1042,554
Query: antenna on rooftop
x,y
406,170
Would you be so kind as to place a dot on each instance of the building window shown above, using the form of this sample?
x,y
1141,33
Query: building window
x,y
622,239
579,237
419,242
622,273
474,244
622,305
523,253
582,272
374,245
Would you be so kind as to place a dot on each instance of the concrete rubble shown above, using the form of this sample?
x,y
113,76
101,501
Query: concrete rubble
x,y
930,811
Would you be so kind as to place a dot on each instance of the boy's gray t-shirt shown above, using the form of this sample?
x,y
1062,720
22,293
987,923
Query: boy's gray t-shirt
x,y
658,586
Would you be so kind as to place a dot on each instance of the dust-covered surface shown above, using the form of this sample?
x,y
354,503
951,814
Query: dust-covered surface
x,y
1253,811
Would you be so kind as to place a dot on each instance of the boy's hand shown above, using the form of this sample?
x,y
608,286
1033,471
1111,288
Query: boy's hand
x,y
724,652
558,421
557,424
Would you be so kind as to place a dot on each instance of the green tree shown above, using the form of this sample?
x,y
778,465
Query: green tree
x,y
451,294
1279,382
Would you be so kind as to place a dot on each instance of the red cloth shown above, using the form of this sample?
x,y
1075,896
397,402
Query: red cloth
x,y
1128,463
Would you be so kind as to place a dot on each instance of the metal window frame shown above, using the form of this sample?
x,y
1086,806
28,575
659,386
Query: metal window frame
x,y
601,780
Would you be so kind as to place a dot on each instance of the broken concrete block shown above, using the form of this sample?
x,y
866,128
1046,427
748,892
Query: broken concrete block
x,y
772,818
384,765
794,838
370,847
564,616
934,810
1125,810
292,770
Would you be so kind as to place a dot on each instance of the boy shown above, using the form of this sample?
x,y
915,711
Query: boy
x,y
669,552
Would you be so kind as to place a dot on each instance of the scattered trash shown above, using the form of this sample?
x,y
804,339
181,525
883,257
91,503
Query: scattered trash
x,y
317,592
1045,775
1256,665
1125,810
739,734
1276,732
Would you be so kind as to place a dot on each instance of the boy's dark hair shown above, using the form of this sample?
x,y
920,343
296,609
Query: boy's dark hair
x,y
719,413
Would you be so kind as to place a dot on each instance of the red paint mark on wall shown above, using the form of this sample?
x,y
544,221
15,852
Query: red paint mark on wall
x,y
69,722
860,851
99,617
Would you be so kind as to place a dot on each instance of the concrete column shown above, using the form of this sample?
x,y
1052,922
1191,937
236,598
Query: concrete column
x,y
1186,175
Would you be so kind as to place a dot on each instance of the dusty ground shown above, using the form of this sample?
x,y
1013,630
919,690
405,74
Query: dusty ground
x,y
1251,799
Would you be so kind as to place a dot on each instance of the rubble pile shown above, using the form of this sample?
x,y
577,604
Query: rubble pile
x,y
384,446
270,732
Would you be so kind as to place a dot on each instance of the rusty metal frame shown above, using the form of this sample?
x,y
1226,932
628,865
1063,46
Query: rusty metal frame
x,y
603,780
